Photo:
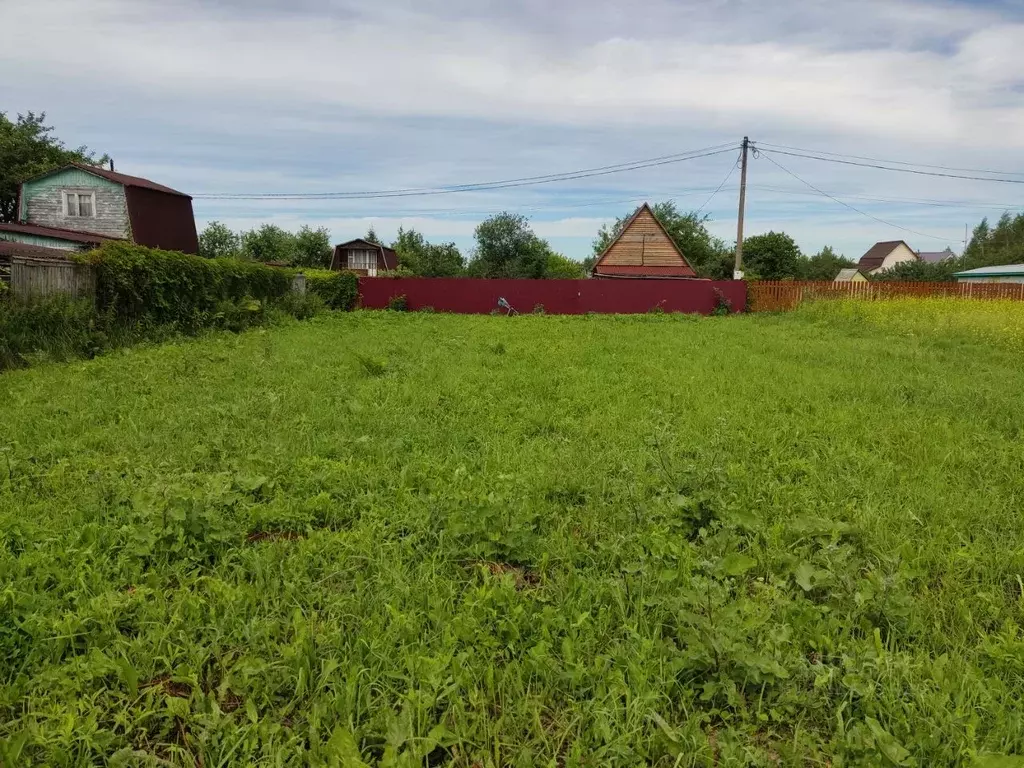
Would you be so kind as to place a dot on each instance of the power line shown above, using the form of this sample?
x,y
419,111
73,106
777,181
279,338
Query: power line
x,y
890,168
965,204
728,176
768,157
891,162
480,186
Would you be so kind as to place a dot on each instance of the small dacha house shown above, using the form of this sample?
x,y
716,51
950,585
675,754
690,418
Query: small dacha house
x,y
79,206
850,275
1004,273
643,249
364,258
885,255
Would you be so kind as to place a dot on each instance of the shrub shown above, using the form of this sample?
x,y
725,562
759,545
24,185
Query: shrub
x,y
149,286
538,309
56,328
722,305
301,306
398,303
338,290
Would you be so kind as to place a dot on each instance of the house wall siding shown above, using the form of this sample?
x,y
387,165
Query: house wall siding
x,y
45,242
41,204
643,244
899,254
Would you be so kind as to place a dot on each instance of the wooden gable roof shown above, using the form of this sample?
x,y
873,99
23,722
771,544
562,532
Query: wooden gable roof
x,y
643,249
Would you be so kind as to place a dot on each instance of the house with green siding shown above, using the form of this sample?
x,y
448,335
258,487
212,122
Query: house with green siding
x,y
78,207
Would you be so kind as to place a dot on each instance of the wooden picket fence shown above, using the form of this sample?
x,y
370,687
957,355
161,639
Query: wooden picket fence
x,y
37,278
783,295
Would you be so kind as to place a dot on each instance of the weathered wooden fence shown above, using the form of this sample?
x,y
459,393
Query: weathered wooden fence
x,y
780,296
34,278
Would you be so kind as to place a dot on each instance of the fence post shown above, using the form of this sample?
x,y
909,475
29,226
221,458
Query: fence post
x,y
299,284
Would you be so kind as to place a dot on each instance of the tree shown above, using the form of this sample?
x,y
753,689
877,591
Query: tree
x,y
217,241
560,267
708,255
269,243
991,246
824,265
313,248
27,149
427,259
919,272
371,236
773,256
506,246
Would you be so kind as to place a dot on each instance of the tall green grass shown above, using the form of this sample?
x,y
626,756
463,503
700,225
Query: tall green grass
x,y
415,539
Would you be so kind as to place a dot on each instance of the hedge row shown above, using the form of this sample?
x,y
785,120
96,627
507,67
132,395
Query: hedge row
x,y
143,293
339,290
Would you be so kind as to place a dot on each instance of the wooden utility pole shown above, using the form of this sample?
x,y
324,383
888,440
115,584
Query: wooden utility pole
x,y
738,270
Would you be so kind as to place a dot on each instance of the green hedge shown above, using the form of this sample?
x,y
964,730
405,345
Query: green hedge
x,y
138,284
339,290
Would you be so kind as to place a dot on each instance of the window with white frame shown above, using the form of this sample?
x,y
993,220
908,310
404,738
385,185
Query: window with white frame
x,y
80,204
363,259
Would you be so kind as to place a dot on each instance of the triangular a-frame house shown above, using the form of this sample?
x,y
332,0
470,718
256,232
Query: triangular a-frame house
x,y
643,249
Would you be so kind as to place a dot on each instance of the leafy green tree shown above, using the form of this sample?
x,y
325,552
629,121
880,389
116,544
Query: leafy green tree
x,y
919,272
371,236
427,259
269,243
772,256
560,267
991,246
217,241
824,265
313,248
708,255
506,246
28,148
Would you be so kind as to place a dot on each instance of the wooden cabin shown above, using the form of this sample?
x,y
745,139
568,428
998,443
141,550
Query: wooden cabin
x,y
364,258
643,249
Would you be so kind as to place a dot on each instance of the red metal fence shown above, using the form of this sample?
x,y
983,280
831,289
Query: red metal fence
x,y
779,296
558,297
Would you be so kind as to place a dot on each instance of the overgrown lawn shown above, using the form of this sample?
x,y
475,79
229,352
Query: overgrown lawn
x,y
423,539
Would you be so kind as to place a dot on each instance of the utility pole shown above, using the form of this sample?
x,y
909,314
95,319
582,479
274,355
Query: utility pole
x,y
966,230
738,271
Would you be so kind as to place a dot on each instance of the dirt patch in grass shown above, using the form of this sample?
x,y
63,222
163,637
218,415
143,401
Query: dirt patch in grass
x,y
170,687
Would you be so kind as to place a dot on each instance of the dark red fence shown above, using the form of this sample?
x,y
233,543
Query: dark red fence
x,y
470,296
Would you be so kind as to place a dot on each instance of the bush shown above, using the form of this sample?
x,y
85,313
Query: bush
x,y
149,286
301,306
57,328
398,303
338,290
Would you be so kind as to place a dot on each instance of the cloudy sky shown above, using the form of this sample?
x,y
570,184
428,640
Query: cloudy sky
x,y
321,96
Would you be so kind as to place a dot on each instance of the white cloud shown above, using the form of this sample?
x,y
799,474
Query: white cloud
x,y
360,95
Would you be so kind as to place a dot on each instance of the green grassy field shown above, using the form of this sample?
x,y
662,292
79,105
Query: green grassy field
x,y
424,539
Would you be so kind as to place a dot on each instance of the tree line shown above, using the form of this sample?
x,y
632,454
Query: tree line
x,y
505,244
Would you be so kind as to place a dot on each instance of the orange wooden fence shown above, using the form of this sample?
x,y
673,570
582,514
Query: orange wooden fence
x,y
780,296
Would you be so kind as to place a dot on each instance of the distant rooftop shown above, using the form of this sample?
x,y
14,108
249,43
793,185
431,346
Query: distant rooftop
x,y
935,257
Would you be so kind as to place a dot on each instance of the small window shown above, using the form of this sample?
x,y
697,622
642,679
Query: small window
x,y
79,204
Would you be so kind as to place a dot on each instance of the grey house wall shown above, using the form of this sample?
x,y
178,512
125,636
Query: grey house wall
x,y
42,204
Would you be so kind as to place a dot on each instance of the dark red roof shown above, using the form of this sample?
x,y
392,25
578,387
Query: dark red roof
x,y
602,270
10,248
876,254
58,234
118,178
